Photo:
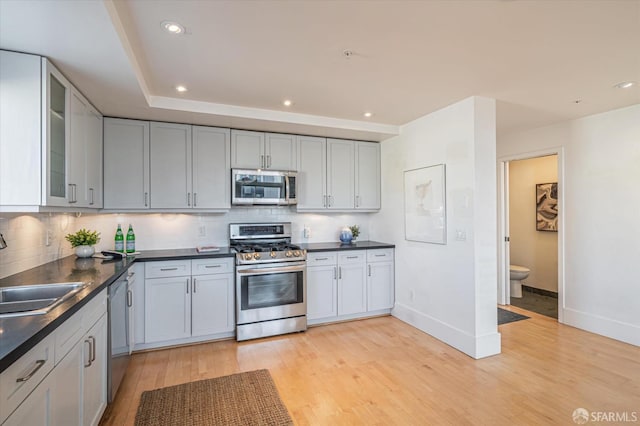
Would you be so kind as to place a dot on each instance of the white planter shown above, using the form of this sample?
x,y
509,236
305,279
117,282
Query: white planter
x,y
85,251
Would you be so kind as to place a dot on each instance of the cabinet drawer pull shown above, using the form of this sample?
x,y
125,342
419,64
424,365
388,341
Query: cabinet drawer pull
x,y
369,266
335,272
39,364
339,272
213,266
129,298
89,360
352,257
168,269
194,286
93,348
187,285
380,255
322,258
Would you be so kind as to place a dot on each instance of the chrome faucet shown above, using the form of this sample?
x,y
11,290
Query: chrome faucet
x,y
3,243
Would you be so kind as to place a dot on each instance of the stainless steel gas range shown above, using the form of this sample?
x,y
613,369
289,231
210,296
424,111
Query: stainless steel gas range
x,y
271,280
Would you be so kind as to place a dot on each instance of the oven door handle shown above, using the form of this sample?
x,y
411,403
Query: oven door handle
x,y
271,270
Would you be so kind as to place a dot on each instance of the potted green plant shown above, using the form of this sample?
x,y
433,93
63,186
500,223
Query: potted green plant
x,y
355,231
83,241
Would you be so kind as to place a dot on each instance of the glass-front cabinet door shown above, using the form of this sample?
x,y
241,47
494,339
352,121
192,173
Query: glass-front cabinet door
x,y
56,137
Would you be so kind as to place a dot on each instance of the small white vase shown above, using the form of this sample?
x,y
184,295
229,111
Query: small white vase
x,y
85,251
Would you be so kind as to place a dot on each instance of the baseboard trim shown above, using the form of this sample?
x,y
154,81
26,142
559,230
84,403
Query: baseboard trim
x,y
540,291
475,346
608,327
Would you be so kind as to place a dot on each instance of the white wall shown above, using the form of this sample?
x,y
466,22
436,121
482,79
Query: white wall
x,y
448,291
536,250
25,234
601,218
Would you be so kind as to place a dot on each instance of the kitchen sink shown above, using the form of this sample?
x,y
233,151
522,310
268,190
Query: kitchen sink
x,y
35,299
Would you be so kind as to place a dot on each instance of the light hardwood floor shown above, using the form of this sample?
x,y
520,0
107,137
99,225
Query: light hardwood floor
x,y
382,371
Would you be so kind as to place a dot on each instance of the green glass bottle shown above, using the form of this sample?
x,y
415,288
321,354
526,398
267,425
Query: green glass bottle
x,y
131,240
119,240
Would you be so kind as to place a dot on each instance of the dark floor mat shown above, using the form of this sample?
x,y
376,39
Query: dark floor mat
x,y
540,304
505,316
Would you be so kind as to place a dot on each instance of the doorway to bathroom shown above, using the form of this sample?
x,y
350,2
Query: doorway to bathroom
x,y
530,229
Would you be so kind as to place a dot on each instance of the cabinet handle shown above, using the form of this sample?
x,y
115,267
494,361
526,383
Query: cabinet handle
x,y
195,199
91,192
93,348
194,286
352,257
324,201
71,194
89,360
168,269
188,199
129,298
322,258
369,267
262,162
39,364
335,273
146,199
187,285
330,200
268,161
357,201
339,272
213,266
380,255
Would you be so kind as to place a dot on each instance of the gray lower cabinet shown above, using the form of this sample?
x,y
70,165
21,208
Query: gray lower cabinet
x,y
349,284
63,379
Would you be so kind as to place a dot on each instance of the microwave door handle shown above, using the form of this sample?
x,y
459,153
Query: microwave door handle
x,y
286,188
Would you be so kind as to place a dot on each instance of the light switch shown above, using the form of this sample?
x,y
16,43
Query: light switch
x,y
461,235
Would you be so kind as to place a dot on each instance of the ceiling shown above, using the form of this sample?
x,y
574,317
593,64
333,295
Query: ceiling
x,y
544,61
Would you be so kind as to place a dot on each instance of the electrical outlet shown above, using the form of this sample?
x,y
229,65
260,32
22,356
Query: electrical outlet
x,y
47,237
461,235
307,232
202,231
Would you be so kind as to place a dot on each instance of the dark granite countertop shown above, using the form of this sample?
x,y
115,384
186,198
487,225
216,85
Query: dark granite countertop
x,y
177,254
19,334
336,246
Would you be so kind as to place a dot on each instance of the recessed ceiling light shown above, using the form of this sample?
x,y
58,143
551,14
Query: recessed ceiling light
x,y
172,27
624,85
181,89
368,114
287,102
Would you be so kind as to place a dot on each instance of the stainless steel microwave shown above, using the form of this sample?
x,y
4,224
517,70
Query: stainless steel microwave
x,y
269,187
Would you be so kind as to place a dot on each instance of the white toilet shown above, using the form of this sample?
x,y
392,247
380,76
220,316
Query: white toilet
x,y
516,275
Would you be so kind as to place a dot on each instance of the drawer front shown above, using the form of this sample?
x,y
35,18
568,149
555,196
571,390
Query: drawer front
x,y
352,256
379,255
212,266
323,258
94,310
17,381
170,268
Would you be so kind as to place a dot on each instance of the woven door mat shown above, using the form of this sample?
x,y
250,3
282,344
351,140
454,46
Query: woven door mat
x,y
249,398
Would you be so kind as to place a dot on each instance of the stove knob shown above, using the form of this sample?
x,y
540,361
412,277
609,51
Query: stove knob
x,y
256,256
273,254
296,253
288,253
248,256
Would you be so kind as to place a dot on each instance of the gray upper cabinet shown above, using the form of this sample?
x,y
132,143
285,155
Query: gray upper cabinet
x,y
126,164
45,134
170,166
312,173
211,168
257,150
367,175
166,166
339,175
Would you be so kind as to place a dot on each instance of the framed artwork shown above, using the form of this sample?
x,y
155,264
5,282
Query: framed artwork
x,y
547,207
425,213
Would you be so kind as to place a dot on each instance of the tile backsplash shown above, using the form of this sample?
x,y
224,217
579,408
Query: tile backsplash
x,y
34,239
